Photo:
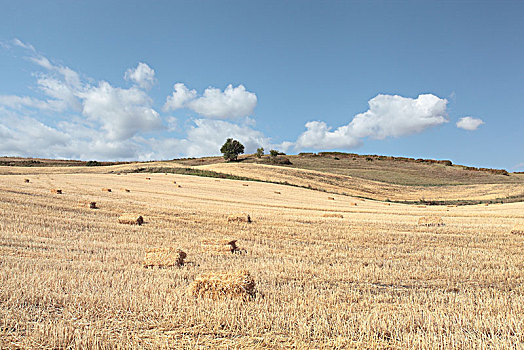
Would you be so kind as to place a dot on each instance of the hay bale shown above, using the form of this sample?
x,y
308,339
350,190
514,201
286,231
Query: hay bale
x,y
92,205
518,229
131,219
56,191
430,221
148,178
333,215
239,218
245,185
164,257
225,246
331,198
277,192
355,204
238,284
124,189
179,186
26,181
174,182
106,189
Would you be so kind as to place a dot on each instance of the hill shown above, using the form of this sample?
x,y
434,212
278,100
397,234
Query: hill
x,y
367,176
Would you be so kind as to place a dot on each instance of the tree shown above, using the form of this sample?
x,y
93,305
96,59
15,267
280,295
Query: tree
x,y
274,153
260,152
231,149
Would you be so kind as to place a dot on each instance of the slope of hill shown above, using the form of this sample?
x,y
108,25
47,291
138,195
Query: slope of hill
x,y
373,177
331,271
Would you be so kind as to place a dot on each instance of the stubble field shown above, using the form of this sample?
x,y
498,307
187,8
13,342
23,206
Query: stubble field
x,y
72,277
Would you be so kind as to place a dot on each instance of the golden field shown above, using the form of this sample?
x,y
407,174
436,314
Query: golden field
x,y
73,277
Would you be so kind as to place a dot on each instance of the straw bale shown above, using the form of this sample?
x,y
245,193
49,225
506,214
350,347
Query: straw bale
x,y
239,218
355,204
92,205
148,178
106,189
131,219
245,185
179,186
430,221
56,191
224,246
518,229
164,257
238,284
331,198
333,215
26,181
277,192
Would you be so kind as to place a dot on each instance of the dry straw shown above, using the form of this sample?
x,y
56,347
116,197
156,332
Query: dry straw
x,y
430,221
518,229
224,285
239,218
56,191
131,219
164,257
333,215
225,246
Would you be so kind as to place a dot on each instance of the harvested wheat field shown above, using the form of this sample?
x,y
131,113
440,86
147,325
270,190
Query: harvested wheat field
x,y
72,277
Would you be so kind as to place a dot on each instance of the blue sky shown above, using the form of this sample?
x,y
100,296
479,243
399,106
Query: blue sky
x,y
96,80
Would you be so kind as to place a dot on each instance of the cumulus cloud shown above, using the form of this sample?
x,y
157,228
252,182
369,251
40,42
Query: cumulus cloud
x,y
233,102
179,98
71,116
142,75
319,136
121,112
469,123
387,116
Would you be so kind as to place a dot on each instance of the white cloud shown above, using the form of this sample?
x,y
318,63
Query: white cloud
x,y
19,43
22,136
179,98
319,136
469,123
122,112
97,120
142,75
20,102
387,116
233,102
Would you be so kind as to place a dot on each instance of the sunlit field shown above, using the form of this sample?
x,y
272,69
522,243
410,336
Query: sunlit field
x,y
331,271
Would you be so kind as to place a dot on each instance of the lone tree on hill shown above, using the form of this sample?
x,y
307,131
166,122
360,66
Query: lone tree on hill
x,y
231,149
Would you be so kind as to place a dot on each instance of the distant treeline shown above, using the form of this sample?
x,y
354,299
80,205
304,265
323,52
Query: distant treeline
x,y
371,157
